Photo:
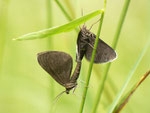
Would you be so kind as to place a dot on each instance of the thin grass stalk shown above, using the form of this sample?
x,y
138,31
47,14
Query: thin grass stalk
x,y
63,10
129,77
69,18
114,45
120,24
100,89
91,64
70,8
50,41
3,29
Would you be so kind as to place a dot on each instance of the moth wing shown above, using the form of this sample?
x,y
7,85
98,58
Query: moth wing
x,y
104,53
57,64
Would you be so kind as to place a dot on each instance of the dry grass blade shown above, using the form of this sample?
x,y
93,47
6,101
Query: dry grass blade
x,y
124,101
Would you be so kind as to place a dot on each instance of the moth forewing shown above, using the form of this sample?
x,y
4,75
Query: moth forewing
x,y
85,44
59,66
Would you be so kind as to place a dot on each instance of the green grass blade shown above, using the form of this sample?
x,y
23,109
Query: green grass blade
x,y
121,21
69,18
59,29
114,44
100,89
91,64
127,96
129,77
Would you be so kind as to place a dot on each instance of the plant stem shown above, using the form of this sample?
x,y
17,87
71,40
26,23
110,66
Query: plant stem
x,y
120,24
114,44
91,64
100,89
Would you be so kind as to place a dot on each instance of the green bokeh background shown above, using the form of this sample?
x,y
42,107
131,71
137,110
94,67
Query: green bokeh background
x,y
26,88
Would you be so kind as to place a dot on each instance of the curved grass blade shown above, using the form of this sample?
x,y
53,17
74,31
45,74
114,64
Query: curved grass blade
x,y
115,102
58,29
126,98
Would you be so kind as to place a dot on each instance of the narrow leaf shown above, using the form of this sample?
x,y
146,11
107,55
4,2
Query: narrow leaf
x,y
59,29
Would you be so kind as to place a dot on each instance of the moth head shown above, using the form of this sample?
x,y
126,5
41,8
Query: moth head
x,y
70,86
85,32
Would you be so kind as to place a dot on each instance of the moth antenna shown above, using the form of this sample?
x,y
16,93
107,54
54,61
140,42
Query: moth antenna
x,y
81,11
82,15
94,24
80,27
58,96
83,84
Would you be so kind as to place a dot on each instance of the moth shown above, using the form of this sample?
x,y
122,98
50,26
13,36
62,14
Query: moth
x,y
85,45
59,66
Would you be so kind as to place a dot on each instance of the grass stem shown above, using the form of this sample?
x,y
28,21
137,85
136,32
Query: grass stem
x,y
63,10
114,44
91,64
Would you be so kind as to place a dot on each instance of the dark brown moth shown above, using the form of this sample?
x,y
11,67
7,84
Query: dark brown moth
x,y
59,66
85,44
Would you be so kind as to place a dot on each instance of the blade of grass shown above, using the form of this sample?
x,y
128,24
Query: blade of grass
x,y
129,77
114,44
59,29
126,98
91,64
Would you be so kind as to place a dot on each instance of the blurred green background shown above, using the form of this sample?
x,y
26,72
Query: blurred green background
x,y
26,88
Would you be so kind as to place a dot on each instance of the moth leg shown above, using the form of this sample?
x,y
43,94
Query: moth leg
x,y
87,43
78,95
58,96
90,45
74,89
94,24
82,81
